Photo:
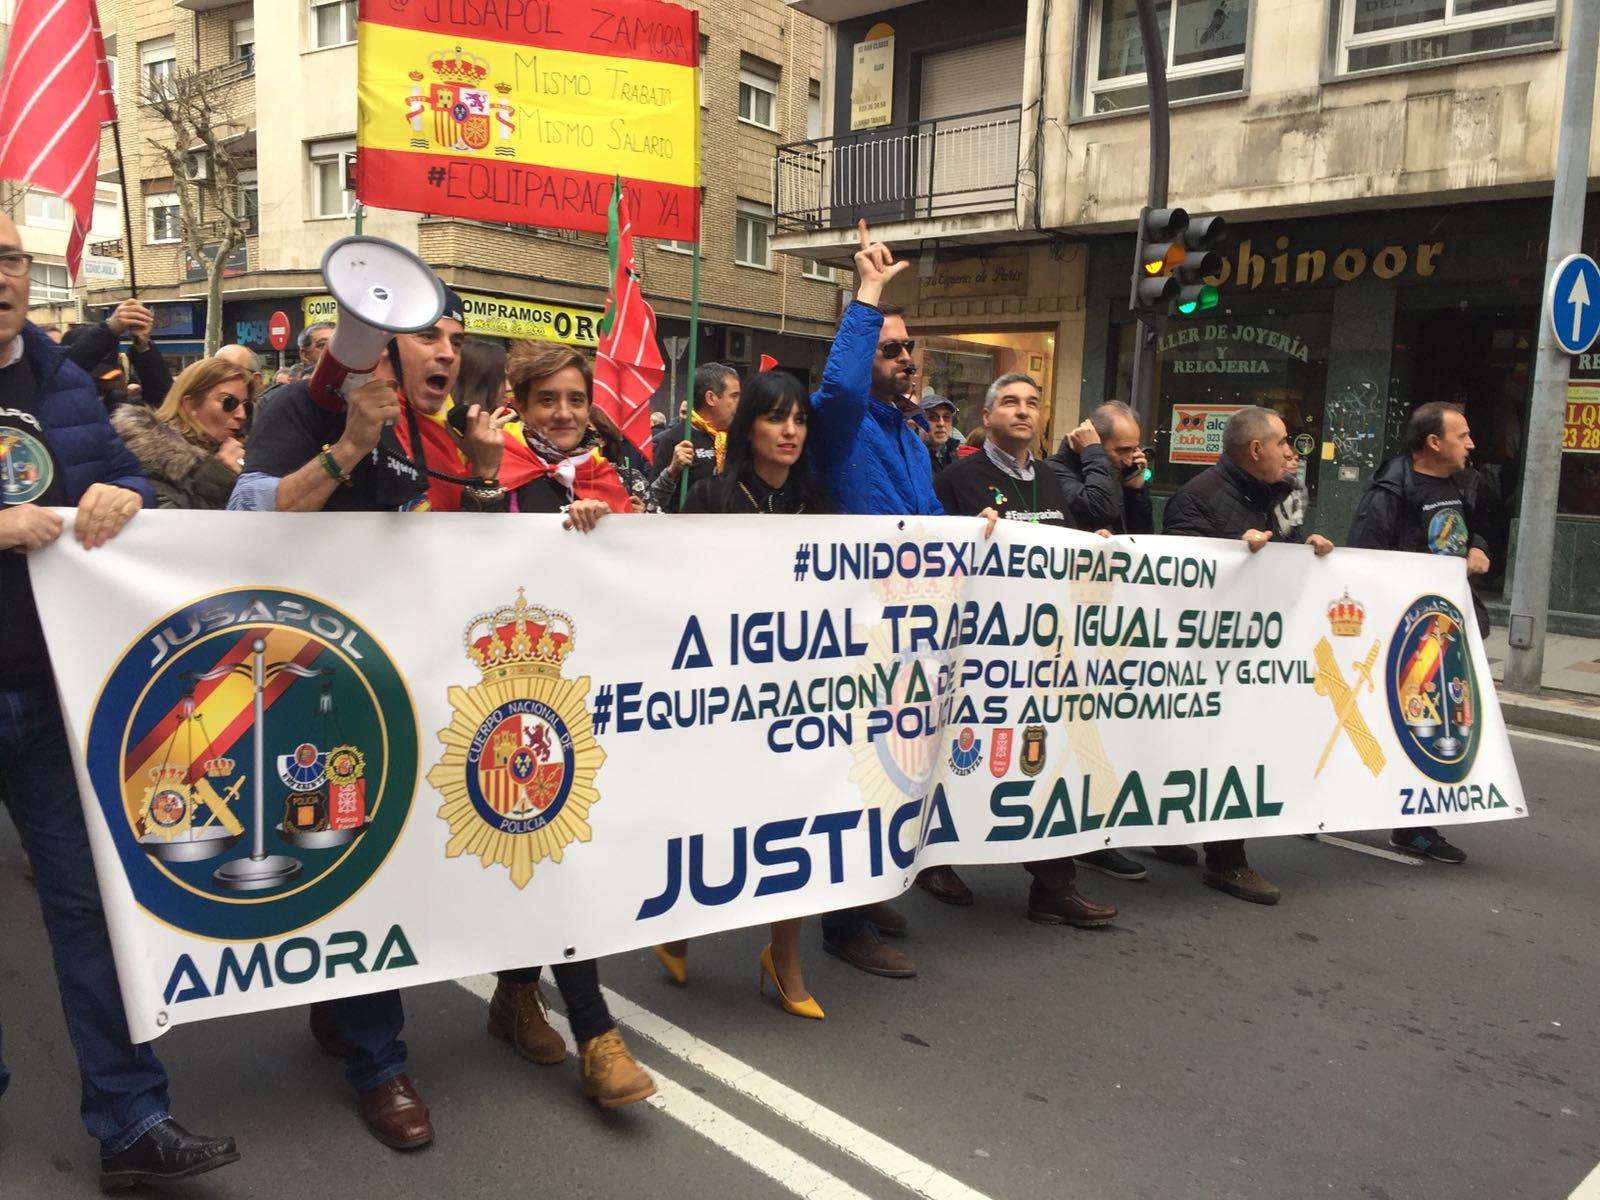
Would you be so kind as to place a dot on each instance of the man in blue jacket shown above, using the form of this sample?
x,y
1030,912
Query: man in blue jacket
x,y
58,449
866,440
868,449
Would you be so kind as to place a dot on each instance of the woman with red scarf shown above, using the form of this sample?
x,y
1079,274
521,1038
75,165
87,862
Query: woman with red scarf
x,y
555,466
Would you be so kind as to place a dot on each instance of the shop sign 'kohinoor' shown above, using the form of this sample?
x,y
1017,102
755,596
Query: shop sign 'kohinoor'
x,y
1250,267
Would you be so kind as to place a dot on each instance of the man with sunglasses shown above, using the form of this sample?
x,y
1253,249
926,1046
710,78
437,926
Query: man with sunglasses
x,y
59,449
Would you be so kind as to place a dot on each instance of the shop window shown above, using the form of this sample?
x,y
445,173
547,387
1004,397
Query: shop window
x,y
333,23
1578,494
752,235
1237,356
1205,47
48,283
758,91
961,366
1402,33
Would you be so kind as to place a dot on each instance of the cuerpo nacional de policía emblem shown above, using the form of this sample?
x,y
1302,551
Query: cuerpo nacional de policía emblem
x,y
1434,699
255,755
517,773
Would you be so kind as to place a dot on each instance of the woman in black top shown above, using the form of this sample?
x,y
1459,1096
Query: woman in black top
x,y
764,470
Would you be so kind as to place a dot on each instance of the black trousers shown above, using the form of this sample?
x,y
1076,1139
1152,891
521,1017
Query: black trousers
x,y
1226,856
1054,874
579,985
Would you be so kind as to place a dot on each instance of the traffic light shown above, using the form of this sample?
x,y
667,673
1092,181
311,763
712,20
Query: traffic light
x,y
1158,251
1200,238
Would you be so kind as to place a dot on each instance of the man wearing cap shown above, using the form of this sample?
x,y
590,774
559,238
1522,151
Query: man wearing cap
x,y
943,445
63,451
390,447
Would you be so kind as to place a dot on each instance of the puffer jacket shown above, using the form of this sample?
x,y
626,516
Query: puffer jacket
x,y
86,449
1226,501
868,458
182,474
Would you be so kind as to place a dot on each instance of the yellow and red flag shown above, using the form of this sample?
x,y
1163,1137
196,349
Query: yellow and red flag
x,y
525,113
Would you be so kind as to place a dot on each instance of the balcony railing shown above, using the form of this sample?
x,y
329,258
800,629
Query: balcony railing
x,y
939,168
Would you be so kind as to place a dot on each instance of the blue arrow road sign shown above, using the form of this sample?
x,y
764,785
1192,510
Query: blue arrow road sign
x,y
1574,303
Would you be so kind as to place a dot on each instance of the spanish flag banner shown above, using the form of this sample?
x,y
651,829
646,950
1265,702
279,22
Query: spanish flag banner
x,y
525,112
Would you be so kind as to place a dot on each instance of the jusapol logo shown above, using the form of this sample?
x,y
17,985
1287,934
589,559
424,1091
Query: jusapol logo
x,y
1434,700
210,845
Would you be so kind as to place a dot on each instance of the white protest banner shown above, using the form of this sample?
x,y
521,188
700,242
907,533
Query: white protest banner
x,y
327,754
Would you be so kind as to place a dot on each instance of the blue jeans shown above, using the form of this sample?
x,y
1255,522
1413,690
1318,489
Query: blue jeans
x,y
124,1086
370,1026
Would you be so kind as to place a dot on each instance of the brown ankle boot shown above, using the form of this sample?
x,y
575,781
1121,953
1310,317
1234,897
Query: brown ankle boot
x,y
610,1076
517,1015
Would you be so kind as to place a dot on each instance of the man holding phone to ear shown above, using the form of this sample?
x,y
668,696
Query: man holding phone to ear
x,y
1103,470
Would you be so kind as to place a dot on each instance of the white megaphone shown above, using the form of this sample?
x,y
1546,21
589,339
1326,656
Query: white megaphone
x,y
382,289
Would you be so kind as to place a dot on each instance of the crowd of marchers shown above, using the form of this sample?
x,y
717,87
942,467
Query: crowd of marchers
x,y
449,423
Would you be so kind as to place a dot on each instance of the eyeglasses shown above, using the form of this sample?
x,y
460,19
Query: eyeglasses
x,y
892,349
15,264
229,403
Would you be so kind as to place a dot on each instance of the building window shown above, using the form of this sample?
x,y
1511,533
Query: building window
x,y
333,23
1403,33
675,246
161,218
158,61
758,91
48,284
752,235
1205,41
249,202
815,268
44,209
107,221
244,42
330,171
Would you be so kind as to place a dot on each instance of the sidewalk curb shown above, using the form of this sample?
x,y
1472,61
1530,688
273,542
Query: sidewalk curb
x,y
1567,714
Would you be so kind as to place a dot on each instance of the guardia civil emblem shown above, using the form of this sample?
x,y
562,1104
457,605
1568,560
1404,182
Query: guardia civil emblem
x,y
517,773
1434,696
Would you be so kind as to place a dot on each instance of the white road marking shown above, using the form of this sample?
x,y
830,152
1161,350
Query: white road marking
x,y
800,1110
1376,851
1554,739
746,1143
1589,1189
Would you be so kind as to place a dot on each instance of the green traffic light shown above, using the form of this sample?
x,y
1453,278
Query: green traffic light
x,y
1200,301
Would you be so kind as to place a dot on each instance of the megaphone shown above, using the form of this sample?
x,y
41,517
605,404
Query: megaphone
x,y
382,289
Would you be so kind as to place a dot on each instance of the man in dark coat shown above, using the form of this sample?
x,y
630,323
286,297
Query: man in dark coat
x,y
59,450
716,399
1102,470
94,348
1245,495
1426,501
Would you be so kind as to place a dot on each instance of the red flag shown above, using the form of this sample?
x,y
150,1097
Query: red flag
x,y
628,367
55,93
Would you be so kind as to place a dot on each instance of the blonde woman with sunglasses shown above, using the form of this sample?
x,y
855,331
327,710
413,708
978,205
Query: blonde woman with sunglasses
x,y
190,447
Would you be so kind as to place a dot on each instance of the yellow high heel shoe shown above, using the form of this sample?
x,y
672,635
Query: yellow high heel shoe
x,y
800,1008
677,965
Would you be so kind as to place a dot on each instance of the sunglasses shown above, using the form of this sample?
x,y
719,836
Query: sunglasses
x,y
229,403
893,349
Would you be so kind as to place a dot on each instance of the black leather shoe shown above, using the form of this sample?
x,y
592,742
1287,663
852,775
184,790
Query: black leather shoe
x,y
166,1152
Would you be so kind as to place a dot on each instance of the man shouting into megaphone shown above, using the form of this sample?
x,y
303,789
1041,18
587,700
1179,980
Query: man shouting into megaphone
x,y
389,448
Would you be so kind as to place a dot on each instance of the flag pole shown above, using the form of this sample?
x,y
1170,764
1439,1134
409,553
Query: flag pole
x,y
694,346
127,209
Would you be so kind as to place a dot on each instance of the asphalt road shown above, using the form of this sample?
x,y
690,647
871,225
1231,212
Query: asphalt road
x,y
1388,1031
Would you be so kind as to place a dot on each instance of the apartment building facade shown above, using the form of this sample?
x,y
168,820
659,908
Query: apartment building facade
x,y
1385,166
284,79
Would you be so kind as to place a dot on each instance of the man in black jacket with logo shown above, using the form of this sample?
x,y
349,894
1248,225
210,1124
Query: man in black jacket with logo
x,y
1243,496
1004,475
1425,501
